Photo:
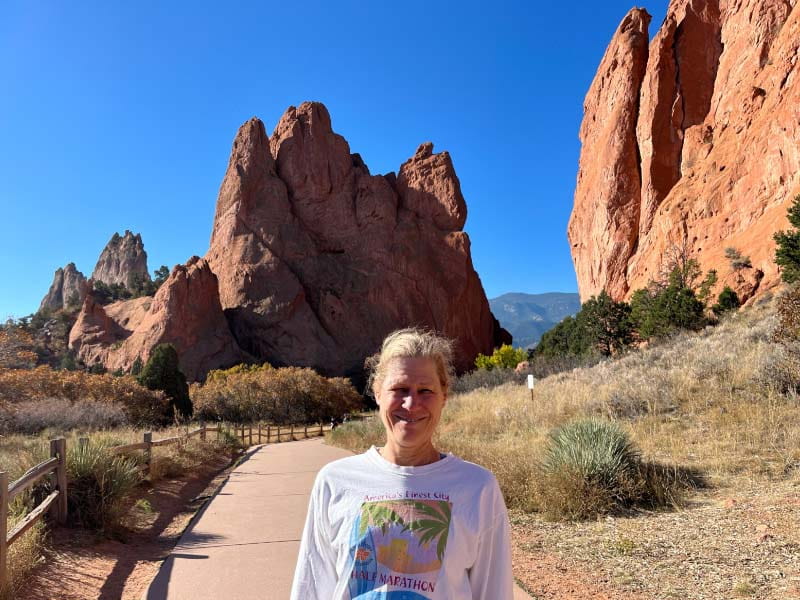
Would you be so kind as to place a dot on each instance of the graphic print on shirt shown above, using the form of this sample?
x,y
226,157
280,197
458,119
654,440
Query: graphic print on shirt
x,y
397,547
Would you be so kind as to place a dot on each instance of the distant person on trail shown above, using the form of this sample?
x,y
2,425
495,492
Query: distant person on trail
x,y
404,521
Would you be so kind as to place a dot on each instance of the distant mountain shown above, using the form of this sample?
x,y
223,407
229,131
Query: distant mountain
x,y
528,316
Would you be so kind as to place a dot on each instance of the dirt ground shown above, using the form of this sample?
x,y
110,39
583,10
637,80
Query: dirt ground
x,y
79,566
742,541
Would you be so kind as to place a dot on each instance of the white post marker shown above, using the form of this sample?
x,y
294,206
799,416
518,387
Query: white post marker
x,y
531,381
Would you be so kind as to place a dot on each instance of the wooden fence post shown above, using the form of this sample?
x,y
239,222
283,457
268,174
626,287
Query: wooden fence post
x,y
279,434
291,433
320,428
148,451
259,432
250,443
58,449
203,431
305,431
3,529
269,432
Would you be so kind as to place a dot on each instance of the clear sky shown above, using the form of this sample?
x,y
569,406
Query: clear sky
x,y
121,115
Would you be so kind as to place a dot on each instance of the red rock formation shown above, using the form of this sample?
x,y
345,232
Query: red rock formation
x,y
122,258
604,223
185,312
317,259
717,130
67,288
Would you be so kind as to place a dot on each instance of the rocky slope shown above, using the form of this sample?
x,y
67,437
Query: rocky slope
x,y
690,142
121,259
312,261
68,288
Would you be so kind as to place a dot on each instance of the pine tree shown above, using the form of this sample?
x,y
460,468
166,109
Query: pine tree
x,y
726,301
787,252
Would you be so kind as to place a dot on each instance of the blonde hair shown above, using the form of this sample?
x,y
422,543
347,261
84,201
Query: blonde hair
x,y
412,343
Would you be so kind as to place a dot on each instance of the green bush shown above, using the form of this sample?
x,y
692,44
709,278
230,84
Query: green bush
x,y
163,373
660,311
787,250
727,300
98,484
568,338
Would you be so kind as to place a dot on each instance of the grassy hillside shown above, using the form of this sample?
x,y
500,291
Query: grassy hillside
x,y
721,403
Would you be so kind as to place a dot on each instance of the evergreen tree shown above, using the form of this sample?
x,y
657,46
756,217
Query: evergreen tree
x,y
568,338
606,324
787,252
659,311
162,373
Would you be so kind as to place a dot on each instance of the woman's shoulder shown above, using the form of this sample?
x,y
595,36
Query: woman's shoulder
x,y
473,471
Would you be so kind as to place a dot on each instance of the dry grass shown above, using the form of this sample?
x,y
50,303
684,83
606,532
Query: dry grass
x,y
720,402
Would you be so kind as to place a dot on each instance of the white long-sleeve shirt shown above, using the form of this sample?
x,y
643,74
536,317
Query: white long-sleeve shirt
x,y
379,531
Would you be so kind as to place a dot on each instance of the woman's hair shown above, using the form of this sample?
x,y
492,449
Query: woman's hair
x,y
412,343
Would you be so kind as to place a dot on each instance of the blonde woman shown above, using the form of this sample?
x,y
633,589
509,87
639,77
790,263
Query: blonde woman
x,y
404,521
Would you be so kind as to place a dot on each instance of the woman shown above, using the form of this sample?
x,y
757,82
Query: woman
x,y
405,522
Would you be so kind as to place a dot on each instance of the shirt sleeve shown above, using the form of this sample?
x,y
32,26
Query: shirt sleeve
x,y
490,577
315,574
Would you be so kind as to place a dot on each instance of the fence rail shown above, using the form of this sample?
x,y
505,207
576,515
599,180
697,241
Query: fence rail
x,y
56,467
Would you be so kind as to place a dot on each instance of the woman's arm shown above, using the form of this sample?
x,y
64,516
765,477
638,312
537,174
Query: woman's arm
x,y
315,574
490,577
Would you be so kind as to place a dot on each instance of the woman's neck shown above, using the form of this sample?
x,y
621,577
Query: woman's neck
x,y
409,457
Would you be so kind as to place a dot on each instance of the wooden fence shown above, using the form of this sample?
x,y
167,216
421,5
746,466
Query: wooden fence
x,y
56,467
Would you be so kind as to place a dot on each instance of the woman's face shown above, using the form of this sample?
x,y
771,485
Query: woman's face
x,y
410,401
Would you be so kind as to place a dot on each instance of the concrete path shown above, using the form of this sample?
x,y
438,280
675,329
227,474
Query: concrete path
x,y
243,545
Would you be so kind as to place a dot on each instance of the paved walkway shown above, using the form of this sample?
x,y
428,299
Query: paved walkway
x,y
244,543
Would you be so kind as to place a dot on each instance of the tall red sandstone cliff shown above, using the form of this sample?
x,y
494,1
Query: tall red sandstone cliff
x,y
318,259
693,143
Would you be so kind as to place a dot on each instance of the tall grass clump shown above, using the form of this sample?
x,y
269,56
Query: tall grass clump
x,y
99,483
590,467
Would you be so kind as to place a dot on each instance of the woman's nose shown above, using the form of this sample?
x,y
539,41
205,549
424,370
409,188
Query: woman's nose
x,y
410,399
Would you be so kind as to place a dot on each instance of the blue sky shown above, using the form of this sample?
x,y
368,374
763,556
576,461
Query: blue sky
x,y
121,116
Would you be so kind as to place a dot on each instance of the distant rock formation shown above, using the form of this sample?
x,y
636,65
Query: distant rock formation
x,y
68,289
692,144
121,259
185,312
318,259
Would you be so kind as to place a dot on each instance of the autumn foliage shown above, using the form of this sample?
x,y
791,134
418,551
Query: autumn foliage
x,y
141,406
281,396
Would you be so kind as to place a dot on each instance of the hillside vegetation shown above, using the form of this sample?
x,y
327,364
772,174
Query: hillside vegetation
x,y
722,401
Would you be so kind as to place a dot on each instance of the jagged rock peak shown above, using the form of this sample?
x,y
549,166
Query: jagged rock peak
x,y
68,289
122,258
309,252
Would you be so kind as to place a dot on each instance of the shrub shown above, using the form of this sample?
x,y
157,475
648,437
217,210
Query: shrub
x,y
33,416
282,396
660,311
590,468
163,373
727,300
99,483
738,262
504,357
568,338
142,406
